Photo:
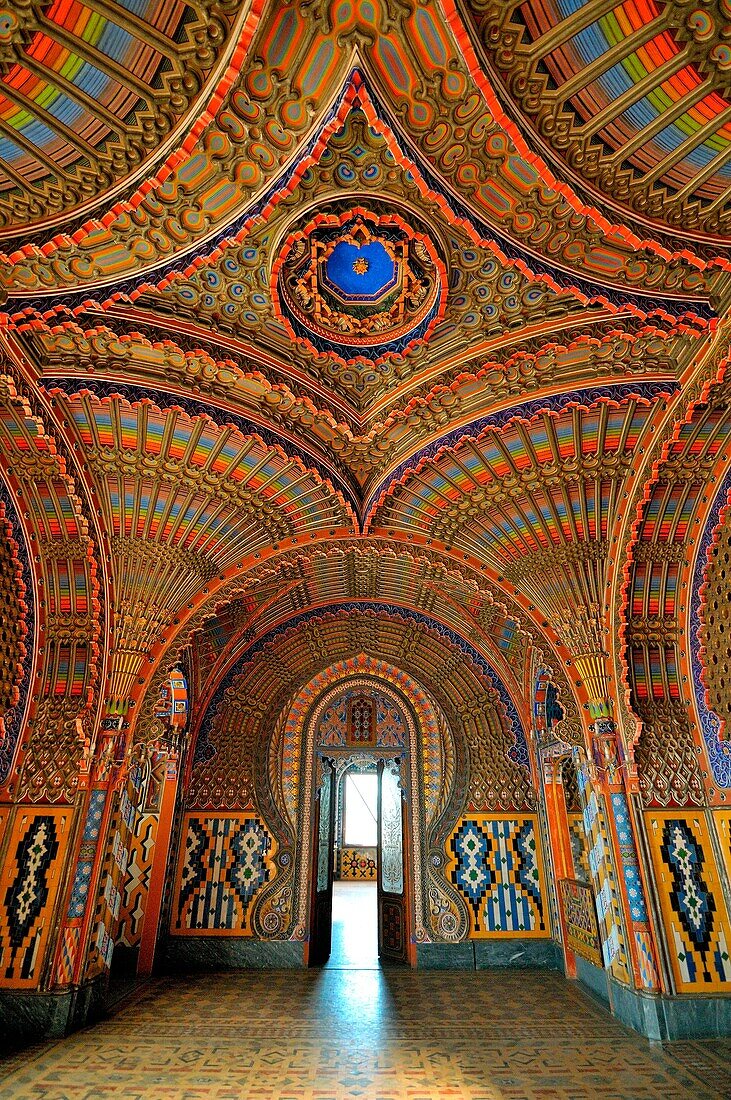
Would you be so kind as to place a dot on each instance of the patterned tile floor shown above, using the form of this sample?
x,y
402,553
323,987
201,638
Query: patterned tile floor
x,y
371,1034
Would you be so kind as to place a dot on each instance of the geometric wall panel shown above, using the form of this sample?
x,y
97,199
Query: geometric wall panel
x,y
579,910
358,863
224,862
496,866
579,847
691,897
137,881
82,877
603,880
722,821
29,883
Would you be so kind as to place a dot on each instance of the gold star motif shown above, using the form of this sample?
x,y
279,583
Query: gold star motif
x,y
360,266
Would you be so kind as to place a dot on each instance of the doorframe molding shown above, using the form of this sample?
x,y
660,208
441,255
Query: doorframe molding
x,y
416,854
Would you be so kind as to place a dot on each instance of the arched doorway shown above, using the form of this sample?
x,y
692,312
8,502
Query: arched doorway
x,y
339,868
365,727
258,762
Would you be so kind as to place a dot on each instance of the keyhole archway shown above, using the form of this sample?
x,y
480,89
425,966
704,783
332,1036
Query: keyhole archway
x,y
408,735
252,782
365,725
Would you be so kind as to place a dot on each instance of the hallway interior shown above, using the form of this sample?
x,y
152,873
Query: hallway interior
x,y
376,1034
355,929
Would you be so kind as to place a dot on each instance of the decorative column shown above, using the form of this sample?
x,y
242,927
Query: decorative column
x,y
96,782
172,711
616,777
118,779
550,751
161,852
620,899
551,760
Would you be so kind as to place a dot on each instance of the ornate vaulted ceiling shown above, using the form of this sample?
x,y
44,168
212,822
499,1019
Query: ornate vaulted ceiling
x,y
94,94
632,98
415,311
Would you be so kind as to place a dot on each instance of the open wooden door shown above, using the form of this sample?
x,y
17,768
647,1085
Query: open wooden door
x,y
393,926
322,863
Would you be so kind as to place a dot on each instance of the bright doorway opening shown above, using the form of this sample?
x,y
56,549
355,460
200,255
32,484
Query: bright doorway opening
x,y
355,902
355,927
359,903
360,810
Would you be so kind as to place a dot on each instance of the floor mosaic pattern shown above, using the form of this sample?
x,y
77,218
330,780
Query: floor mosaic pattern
x,y
371,1034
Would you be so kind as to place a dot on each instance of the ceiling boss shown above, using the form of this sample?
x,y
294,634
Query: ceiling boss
x,y
359,280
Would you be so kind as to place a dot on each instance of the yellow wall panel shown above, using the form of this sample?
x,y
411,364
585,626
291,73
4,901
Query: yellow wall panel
x,y
29,882
693,908
495,863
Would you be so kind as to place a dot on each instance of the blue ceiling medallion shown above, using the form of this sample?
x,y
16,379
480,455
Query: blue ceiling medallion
x,y
360,272
359,284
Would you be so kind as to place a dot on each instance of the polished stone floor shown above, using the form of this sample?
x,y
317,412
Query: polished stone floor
x,y
373,1034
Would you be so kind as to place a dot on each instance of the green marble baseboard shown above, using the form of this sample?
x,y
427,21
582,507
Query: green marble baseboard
x,y
518,954
488,954
181,954
445,956
657,1017
32,1016
592,978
